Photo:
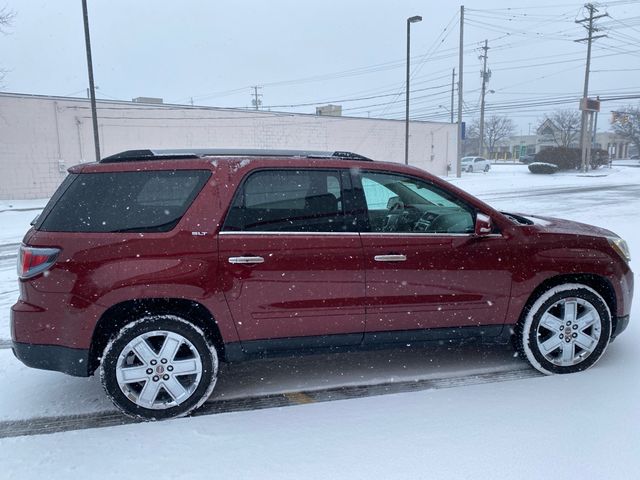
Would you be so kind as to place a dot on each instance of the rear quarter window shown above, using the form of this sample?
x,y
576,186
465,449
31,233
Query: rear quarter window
x,y
150,201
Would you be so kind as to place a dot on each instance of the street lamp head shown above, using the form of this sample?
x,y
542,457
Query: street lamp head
x,y
414,19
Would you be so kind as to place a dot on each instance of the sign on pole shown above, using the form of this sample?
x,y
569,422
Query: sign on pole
x,y
589,105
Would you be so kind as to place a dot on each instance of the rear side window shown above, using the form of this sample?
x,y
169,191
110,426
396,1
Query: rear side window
x,y
123,201
288,201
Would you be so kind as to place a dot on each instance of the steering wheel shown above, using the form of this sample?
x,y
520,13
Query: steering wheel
x,y
396,209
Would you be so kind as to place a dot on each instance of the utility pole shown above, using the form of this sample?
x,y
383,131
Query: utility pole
x,y
92,88
410,20
595,127
486,75
453,86
256,102
584,130
460,75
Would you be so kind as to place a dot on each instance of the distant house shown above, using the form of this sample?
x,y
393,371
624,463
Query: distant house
x,y
551,135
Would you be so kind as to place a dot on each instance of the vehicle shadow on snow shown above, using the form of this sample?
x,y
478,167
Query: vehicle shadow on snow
x,y
61,395
317,372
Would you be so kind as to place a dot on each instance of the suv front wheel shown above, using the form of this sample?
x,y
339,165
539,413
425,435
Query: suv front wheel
x,y
159,367
566,330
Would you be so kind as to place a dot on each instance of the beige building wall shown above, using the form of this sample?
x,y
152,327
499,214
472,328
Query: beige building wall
x,y
40,137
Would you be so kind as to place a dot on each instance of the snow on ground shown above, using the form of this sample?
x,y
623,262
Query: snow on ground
x,y
15,217
584,424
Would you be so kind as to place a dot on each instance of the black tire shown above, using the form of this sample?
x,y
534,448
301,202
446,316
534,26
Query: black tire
x,y
487,167
470,169
197,348
530,333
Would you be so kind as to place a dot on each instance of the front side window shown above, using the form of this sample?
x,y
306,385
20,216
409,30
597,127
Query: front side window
x,y
401,204
288,201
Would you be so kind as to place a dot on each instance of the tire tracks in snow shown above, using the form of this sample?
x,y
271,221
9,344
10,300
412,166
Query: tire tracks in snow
x,y
48,425
505,195
9,251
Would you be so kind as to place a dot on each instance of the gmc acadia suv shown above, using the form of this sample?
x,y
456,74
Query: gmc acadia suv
x,y
153,266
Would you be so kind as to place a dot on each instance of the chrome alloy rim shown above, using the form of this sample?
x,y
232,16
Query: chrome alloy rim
x,y
569,331
159,370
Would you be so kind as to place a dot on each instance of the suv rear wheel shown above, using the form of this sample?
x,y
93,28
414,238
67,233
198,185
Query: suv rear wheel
x,y
566,330
159,367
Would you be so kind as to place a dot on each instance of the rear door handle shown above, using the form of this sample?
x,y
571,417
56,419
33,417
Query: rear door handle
x,y
246,260
390,258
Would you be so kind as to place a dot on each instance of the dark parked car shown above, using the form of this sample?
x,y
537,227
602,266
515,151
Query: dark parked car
x,y
154,266
527,159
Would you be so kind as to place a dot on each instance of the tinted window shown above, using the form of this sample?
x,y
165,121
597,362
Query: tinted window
x,y
396,203
123,201
288,201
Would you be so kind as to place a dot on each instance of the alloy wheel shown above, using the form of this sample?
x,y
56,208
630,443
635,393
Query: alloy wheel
x,y
569,331
159,369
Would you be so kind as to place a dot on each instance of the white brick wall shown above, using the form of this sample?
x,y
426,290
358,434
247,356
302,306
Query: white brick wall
x,y
42,136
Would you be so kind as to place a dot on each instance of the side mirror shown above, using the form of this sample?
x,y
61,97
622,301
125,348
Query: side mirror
x,y
483,225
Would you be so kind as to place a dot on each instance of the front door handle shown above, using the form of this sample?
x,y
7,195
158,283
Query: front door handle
x,y
246,260
390,258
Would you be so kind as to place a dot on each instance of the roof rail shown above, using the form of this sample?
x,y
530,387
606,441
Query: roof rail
x,y
142,155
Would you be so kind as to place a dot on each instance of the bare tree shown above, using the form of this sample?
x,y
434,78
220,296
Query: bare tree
x,y
471,142
496,129
626,124
565,127
6,20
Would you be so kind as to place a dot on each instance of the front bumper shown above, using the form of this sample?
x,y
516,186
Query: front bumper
x,y
72,361
620,325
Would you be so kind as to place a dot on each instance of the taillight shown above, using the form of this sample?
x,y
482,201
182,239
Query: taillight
x,y
35,260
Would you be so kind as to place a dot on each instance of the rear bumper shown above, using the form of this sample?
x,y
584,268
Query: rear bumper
x,y
72,361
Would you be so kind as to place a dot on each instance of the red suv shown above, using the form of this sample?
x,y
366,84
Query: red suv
x,y
153,266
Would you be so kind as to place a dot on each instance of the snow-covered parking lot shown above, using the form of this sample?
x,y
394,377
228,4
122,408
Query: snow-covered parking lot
x,y
478,426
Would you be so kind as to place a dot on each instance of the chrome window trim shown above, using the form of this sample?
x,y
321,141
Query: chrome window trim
x,y
255,232
426,234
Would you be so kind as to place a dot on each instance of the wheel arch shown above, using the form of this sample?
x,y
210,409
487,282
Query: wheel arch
x,y
123,313
600,284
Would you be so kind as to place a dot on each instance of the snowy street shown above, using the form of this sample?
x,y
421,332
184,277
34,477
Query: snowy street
x,y
429,412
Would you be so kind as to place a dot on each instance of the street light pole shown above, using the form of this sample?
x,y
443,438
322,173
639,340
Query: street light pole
x,y
92,88
410,20
485,78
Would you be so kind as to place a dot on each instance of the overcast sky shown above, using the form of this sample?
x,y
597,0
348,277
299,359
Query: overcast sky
x,y
315,52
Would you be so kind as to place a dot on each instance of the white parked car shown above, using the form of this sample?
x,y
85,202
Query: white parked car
x,y
475,164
